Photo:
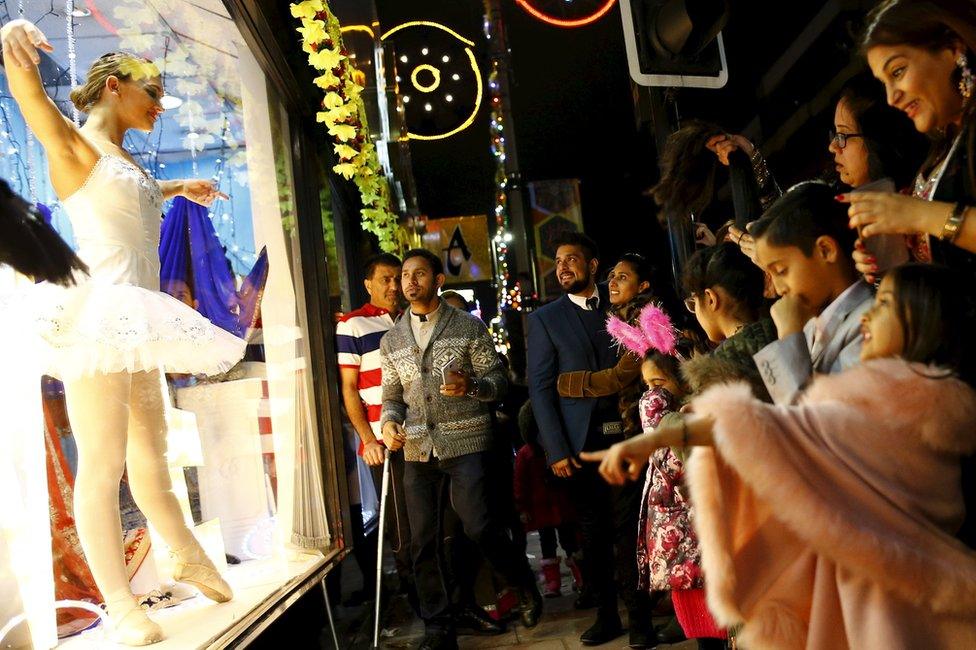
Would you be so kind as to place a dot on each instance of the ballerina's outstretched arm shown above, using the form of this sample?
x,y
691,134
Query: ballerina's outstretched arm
x,y
198,190
71,156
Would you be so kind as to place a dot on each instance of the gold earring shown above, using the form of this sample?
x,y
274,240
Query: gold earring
x,y
966,81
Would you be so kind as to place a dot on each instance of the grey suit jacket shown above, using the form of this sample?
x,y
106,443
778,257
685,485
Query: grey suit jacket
x,y
788,365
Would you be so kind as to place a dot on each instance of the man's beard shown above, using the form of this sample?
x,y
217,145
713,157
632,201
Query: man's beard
x,y
578,284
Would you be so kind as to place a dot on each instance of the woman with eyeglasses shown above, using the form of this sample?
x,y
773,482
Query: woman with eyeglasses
x,y
923,53
870,140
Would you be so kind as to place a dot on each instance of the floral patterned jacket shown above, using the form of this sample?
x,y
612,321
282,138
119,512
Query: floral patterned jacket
x,y
668,556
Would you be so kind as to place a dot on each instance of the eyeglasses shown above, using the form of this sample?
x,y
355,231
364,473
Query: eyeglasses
x,y
690,304
840,139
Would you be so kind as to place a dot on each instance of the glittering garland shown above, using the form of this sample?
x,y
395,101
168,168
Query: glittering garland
x,y
69,9
344,113
509,295
31,142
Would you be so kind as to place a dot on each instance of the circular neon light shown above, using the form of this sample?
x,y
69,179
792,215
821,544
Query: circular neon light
x,y
474,112
358,28
427,23
562,22
416,83
474,68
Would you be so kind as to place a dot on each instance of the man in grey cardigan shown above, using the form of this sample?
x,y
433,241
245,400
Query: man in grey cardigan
x,y
440,371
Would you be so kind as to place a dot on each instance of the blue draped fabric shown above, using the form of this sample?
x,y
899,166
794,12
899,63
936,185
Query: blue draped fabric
x,y
252,290
194,267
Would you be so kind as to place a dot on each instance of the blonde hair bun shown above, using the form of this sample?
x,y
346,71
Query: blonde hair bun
x,y
123,65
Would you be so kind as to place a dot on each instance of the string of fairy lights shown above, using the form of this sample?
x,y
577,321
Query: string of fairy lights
x,y
508,294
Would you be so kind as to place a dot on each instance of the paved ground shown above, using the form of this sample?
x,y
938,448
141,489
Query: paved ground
x,y
559,629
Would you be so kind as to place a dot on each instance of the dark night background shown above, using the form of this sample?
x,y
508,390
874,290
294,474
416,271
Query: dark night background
x,y
577,115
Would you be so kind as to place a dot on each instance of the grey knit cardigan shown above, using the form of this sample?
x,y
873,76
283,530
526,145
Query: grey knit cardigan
x,y
453,426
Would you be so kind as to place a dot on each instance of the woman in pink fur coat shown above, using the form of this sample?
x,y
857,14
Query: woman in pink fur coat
x,y
831,524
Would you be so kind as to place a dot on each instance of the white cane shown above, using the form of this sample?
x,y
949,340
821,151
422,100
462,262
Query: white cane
x,y
379,545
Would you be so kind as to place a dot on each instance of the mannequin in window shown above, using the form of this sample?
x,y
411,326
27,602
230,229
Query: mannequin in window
x,y
110,336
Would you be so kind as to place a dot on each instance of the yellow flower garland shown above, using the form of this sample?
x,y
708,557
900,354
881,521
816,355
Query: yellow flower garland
x,y
344,115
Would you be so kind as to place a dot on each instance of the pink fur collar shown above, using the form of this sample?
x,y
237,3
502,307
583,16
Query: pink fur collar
x,y
907,392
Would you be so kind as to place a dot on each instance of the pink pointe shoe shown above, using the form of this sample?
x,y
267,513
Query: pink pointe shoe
x,y
194,568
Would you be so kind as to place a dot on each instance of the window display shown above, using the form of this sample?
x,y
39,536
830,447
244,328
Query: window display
x,y
164,480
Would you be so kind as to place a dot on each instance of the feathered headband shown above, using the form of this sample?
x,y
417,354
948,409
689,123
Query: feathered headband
x,y
654,331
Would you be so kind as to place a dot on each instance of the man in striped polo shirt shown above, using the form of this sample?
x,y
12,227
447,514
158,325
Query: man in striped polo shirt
x,y
358,335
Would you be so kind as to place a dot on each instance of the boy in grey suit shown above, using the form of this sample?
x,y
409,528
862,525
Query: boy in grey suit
x,y
803,241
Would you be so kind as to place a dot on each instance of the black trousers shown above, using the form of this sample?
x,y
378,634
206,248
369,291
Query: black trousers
x,y
468,495
567,539
608,525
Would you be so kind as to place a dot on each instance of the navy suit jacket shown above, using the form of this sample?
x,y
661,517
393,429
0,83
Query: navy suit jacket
x,y
559,343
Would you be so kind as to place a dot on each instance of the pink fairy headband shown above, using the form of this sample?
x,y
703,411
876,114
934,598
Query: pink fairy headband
x,y
654,331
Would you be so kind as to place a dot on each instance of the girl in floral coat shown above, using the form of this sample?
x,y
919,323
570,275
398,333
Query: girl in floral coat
x,y
725,294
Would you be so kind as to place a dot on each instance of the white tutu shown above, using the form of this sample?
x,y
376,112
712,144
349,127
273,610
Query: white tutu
x,y
117,320
111,328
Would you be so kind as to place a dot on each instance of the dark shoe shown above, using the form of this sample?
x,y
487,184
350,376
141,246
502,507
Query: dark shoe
x,y
585,600
530,605
477,620
670,632
642,638
440,640
603,631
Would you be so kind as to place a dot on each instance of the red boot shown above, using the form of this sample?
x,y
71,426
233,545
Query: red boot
x,y
551,577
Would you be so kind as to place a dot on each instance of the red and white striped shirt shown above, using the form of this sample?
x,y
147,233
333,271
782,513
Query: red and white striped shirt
x,y
358,335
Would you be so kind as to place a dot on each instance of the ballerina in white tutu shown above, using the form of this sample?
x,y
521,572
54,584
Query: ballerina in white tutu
x,y
108,337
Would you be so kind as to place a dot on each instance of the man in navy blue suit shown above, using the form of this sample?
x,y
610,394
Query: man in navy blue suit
x,y
565,335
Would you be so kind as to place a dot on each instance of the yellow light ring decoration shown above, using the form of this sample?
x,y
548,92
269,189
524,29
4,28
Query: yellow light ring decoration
x,y
474,112
474,68
426,23
434,71
358,28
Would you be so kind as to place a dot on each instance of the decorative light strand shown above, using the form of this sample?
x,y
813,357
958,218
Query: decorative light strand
x,y
69,8
31,142
508,295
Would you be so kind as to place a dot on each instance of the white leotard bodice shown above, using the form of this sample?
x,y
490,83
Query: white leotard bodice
x,y
115,216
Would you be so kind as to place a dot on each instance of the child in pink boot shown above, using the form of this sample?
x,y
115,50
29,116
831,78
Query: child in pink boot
x,y
544,505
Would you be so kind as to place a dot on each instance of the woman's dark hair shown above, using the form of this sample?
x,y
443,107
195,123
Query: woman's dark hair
x,y
937,310
931,25
687,170
895,149
670,364
641,265
724,265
